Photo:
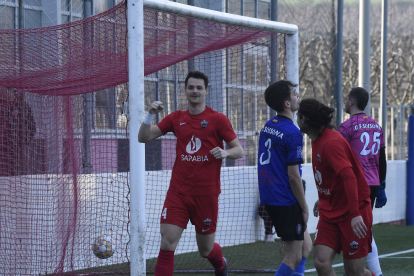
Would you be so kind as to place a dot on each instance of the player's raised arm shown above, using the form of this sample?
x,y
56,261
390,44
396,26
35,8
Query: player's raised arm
x,y
235,151
148,132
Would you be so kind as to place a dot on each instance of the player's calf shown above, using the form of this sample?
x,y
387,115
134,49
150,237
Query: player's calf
x,y
324,256
217,260
356,267
165,263
224,272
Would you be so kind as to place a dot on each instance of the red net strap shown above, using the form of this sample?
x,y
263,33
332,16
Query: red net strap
x,y
178,38
92,54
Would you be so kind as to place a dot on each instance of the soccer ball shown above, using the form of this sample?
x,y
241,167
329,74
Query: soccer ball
x,y
104,247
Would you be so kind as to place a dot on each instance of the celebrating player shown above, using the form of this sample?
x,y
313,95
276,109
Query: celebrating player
x,y
343,205
367,139
195,180
279,172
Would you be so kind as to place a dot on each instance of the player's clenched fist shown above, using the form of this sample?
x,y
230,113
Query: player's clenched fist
x,y
156,107
219,153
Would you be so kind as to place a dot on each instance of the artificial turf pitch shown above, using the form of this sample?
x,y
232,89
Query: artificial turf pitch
x,y
389,239
266,256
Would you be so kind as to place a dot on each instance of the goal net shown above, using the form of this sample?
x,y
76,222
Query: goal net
x,y
64,155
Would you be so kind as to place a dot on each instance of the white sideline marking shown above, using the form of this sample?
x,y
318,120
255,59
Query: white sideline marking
x,y
381,256
396,253
400,257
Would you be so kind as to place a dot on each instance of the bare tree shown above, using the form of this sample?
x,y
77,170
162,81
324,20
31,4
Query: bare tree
x,y
316,62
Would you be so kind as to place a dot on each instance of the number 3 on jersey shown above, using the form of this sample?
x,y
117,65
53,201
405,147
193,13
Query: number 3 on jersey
x,y
366,140
164,213
268,145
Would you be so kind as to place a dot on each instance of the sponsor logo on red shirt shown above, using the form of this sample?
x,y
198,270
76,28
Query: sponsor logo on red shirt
x,y
192,147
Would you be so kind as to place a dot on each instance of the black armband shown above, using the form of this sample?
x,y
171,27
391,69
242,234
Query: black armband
x,y
382,165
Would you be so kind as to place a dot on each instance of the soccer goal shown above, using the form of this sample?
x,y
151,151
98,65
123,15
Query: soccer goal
x,y
241,55
72,100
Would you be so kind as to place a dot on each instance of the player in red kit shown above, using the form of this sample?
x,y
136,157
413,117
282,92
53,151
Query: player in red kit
x,y
345,215
195,180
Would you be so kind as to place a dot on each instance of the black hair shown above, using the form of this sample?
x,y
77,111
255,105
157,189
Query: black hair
x,y
197,75
360,95
316,113
277,93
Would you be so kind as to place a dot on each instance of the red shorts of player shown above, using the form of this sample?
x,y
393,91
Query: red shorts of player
x,y
202,211
340,236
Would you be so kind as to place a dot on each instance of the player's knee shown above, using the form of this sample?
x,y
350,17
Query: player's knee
x,y
293,259
168,244
321,264
205,251
306,249
297,261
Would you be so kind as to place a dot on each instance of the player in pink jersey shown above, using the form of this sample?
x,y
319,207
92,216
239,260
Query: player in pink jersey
x,y
367,139
195,180
345,217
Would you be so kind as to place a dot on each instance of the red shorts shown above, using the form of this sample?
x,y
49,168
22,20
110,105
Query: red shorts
x,y
202,211
340,236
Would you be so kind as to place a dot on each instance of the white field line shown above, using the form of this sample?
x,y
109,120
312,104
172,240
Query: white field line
x,y
396,253
381,256
400,257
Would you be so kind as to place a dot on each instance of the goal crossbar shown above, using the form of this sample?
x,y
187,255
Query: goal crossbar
x,y
220,17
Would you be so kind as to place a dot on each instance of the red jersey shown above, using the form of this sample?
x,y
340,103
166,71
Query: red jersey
x,y
195,170
331,153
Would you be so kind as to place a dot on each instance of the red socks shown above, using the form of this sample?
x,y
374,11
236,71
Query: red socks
x,y
216,258
165,263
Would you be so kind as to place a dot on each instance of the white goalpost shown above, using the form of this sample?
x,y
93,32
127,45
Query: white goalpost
x,y
135,17
136,99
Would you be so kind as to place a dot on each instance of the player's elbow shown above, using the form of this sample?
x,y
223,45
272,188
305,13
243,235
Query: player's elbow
x,y
235,152
294,179
142,138
239,153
